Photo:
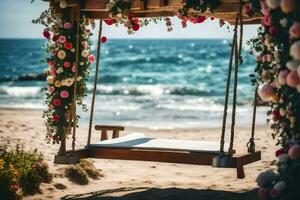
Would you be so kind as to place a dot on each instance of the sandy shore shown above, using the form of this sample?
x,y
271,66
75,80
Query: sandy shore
x,y
143,180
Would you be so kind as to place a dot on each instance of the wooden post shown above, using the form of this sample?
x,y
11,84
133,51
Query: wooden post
x,y
104,135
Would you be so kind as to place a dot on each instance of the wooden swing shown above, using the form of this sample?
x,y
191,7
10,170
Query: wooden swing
x,y
139,147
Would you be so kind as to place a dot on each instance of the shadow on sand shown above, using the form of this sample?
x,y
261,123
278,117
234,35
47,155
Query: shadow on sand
x,y
164,194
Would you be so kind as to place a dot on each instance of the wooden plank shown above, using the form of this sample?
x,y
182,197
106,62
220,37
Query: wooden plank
x,y
182,157
109,127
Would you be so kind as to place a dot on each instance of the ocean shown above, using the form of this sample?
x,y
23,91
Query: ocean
x,y
143,83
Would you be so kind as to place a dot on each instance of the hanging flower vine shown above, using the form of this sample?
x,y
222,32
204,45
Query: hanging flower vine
x,y
59,116
278,76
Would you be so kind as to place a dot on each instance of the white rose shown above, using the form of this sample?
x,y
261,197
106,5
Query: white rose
x,y
295,50
67,82
50,79
63,4
59,70
273,3
85,53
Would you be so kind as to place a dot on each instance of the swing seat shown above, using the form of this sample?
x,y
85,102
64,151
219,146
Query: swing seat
x,y
140,141
137,146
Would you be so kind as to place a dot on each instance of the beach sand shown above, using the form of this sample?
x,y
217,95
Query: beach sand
x,y
143,180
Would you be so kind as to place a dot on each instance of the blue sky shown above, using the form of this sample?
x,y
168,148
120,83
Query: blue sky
x,y
16,16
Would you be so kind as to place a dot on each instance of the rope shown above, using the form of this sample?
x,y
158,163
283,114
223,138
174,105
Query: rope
x,y
238,60
95,84
236,67
75,81
222,142
251,143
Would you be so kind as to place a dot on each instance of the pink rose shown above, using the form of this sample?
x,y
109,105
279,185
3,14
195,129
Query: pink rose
x,y
294,152
62,39
292,79
52,72
91,58
85,44
64,94
74,69
51,89
51,63
264,8
267,21
67,25
295,30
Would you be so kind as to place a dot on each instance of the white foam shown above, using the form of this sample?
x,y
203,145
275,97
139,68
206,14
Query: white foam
x,y
17,91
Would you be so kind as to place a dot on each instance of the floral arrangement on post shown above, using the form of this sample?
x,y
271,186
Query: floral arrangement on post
x,y
59,32
278,74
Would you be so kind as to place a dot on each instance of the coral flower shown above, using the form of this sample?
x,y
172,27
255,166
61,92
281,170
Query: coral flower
x,y
68,45
292,79
91,58
295,30
61,54
52,72
56,118
67,25
67,64
64,94
57,102
62,39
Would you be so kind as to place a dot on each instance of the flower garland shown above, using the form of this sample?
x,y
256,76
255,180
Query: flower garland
x,y
59,117
119,13
278,74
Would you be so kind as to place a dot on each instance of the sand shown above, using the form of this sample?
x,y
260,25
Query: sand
x,y
143,180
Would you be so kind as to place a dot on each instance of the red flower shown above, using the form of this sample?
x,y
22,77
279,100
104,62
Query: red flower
x,y
130,17
56,118
200,19
103,39
273,30
279,152
109,21
136,27
67,64
54,38
46,34
91,58
183,23
136,20
57,102
68,45
276,115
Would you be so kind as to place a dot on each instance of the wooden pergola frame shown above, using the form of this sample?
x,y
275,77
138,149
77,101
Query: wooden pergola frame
x,y
96,9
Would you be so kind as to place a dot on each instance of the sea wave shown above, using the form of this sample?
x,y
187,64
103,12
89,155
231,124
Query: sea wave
x,y
18,91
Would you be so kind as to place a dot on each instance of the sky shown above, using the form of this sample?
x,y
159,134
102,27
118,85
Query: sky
x,y
16,17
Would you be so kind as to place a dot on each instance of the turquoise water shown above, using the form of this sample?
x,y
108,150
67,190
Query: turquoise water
x,y
156,83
